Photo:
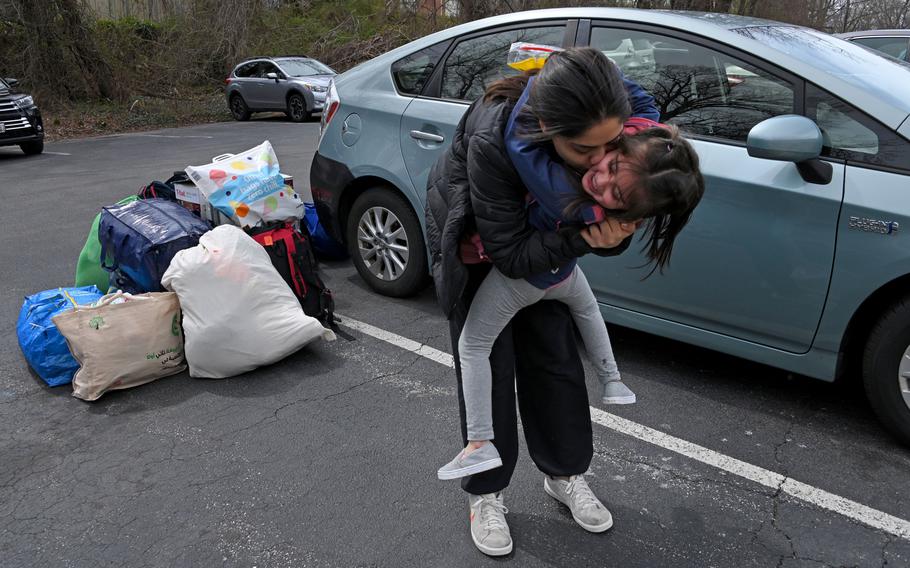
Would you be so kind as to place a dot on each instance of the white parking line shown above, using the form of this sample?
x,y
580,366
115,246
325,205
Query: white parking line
x,y
57,153
168,136
804,492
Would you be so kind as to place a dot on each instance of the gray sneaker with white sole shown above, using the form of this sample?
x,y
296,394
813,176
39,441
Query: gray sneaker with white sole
x,y
489,529
586,508
484,458
616,392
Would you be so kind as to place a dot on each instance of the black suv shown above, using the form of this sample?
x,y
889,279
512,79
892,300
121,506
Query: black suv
x,y
20,119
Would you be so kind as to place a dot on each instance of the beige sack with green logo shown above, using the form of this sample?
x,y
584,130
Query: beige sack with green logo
x,y
123,341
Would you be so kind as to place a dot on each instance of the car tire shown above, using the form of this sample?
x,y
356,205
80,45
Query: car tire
x,y
886,369
239,109
32,148
383,233
297,110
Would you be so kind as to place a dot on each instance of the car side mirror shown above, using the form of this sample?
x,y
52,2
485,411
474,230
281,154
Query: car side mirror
x,y
272,76
13,83
791,138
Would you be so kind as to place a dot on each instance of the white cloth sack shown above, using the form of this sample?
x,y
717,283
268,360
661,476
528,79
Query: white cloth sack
x,y
248,187
238,313
123,341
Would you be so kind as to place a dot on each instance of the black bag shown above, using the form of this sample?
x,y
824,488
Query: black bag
x,y
293,258
163,189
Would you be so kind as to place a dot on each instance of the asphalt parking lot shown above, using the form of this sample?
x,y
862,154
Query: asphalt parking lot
x,y
328,458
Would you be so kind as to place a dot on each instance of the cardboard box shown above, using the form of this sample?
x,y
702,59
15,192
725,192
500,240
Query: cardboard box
x,y
189,196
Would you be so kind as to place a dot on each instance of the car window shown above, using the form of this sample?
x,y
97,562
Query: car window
x,y
893,46
411,72
265,68
305,67
245,70
701,90
852,135
476,62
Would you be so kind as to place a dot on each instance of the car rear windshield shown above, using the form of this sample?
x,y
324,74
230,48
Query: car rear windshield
x,y
304,67
887,78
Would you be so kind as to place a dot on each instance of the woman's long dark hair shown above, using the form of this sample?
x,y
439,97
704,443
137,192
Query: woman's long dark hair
x,y
576,89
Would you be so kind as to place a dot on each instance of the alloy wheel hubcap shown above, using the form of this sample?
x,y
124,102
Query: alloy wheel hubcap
x,y
238,106
382,243
296,107
903,376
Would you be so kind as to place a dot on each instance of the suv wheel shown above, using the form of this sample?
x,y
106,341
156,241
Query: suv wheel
x,y
32,148
297,110
386,243
239,109
886,369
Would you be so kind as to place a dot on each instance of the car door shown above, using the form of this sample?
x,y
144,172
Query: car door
x,y
470,64
272,91
754,263
243,81
251,87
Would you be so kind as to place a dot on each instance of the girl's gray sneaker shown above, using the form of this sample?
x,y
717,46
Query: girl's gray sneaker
x,y
482,459
616,392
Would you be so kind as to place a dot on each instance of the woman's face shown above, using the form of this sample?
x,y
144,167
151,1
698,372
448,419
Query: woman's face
x,y
587,149
611,180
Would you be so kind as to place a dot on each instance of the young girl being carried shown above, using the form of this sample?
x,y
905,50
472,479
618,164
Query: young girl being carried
x,y
650,177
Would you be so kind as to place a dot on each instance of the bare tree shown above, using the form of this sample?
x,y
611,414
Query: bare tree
x,y
61,54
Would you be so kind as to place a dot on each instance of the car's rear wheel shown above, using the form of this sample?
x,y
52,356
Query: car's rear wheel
x,y
297,110
239,108
886,369
386,243
32,148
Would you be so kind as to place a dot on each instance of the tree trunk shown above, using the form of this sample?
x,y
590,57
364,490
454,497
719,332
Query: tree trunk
x,y
82,45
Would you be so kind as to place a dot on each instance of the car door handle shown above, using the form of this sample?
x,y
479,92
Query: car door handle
x,y
419,135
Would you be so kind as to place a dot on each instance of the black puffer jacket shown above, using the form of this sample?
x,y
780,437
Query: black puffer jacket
x,y
474,187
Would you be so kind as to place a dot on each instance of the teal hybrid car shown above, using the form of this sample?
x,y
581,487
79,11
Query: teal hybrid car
x,y
797,257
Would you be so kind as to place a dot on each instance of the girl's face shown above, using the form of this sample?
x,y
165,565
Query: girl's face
x,y
587,149
610,181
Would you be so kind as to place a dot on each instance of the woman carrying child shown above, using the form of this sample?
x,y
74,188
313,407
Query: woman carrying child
x,y
530,135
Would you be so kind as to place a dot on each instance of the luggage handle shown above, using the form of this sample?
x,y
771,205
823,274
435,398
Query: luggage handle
x,y
222,157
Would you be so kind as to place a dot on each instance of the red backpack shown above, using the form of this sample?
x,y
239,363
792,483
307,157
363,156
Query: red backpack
x,y
293,258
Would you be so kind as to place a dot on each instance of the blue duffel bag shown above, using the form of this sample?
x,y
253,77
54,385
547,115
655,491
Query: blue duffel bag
x,y
43,346
139,239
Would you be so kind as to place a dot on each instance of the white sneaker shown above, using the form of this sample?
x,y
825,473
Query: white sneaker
x,y
489,530
587,510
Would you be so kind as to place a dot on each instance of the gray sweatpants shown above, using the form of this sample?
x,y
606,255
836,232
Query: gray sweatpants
x,y
497,301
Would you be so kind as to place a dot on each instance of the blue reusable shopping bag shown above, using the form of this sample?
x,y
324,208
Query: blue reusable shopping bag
x,y
44,348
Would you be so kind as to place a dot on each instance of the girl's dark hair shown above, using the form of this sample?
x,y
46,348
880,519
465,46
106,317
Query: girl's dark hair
x,y
576,89
668,187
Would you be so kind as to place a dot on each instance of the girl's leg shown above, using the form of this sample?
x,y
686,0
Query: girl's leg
x,y
576,293
505,418
497,300
552,396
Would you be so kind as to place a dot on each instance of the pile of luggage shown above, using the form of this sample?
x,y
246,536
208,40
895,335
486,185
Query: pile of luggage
x,y
212,269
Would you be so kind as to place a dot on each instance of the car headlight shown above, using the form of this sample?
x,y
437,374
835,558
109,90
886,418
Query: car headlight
x,y
317,88
25,102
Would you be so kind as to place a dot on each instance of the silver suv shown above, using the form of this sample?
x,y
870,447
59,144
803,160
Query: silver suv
x,y
295,85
